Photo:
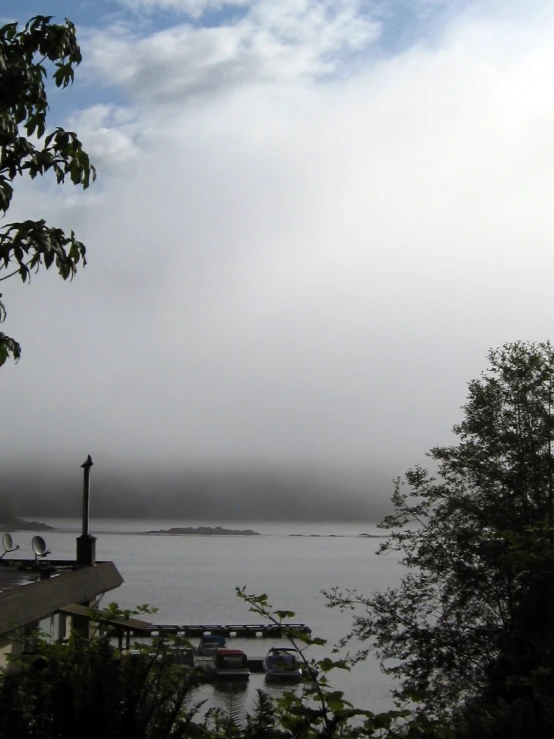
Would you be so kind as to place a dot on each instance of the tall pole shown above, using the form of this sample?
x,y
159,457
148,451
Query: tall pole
x,y
86,548
86,494
86,544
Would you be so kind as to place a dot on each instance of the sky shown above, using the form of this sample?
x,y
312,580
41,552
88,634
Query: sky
x,y
311,221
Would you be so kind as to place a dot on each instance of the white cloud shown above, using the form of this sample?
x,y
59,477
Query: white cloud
x,y
108,132
191,8
283,41
297,270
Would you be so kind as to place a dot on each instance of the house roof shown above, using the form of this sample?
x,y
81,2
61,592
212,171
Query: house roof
x,y
26,604
12,577
134,624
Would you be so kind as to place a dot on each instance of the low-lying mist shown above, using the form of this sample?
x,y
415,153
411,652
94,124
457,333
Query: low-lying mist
x,y
219,495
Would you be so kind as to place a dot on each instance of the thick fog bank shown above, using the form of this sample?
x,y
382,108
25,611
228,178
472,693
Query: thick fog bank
x,y
222,495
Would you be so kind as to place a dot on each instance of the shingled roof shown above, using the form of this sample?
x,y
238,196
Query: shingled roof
x,y
27,604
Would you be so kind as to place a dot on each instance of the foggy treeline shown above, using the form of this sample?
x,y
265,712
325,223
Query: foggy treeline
x,y
199,495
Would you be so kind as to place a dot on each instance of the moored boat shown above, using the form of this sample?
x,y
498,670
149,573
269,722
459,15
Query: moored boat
x,y
229,664
209,644
281,663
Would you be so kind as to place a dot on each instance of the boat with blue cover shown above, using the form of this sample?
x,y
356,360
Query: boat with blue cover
x,y
281,663
209,644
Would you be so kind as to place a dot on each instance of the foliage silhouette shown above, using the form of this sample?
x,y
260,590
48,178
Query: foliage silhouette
x,y
88,688
26,57
471,627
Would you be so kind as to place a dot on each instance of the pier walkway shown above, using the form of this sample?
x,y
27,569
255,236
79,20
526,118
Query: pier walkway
x,y
267,630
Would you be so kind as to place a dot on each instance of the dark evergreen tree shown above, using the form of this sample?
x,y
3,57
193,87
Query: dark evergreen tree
x,y
472,622
262,722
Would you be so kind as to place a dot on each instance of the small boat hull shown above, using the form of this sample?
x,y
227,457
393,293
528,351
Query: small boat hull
x,y
237,674
229,664
293,676
281,664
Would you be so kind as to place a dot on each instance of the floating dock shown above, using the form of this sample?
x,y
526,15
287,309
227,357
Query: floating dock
x,y
250,631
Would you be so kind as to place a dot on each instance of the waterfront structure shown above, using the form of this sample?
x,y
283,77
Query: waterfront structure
x,y
40,595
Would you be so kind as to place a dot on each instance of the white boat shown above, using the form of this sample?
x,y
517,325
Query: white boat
x,y
229,664
281,663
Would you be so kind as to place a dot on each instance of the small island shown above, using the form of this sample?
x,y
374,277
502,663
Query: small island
x,y
18,524
205,531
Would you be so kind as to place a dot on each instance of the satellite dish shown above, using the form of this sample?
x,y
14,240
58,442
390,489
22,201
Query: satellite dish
x,y
7,543
39,547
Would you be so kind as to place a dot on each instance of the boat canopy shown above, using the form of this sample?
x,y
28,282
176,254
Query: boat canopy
x,y
230,658
209,639
281,658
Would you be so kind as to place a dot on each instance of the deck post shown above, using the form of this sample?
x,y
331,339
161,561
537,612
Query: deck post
x,y
62,627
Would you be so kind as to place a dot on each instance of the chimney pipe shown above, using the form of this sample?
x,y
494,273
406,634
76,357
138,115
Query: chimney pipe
x,y
86,544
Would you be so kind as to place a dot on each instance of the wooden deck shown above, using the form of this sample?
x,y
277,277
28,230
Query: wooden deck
x,y
251,631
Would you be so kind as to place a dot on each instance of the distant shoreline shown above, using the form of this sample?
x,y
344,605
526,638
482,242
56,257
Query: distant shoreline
x,y
18,524
204,531
220,531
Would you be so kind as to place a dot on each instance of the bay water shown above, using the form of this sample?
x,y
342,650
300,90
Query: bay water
x,y
192,579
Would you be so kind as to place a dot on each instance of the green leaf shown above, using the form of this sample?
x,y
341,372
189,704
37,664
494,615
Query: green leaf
x,y
285,614
317,641
328,664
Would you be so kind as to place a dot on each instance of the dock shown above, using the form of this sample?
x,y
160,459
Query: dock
x,y
249,631
254,664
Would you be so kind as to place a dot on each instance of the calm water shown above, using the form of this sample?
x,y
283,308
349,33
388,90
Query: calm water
x,y
192,579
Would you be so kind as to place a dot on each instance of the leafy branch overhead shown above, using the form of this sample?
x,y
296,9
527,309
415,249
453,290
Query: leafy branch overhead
x,y
27,57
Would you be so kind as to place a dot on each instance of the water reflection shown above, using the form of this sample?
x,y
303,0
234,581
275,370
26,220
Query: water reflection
x,y
230,692
227,687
